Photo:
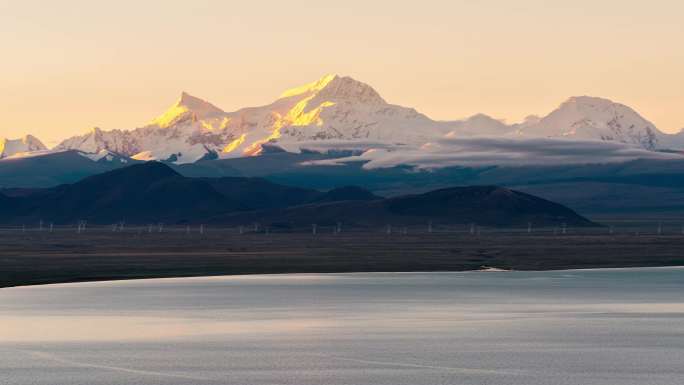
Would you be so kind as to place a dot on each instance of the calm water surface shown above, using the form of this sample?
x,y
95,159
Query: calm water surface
x,y
531,328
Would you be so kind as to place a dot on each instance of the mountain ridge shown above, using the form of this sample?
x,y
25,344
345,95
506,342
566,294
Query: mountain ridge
x,y
340,108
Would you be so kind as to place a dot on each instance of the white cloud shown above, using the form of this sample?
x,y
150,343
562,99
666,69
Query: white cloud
x,y
483,151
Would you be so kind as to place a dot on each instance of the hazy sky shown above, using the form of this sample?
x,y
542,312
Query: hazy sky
x,y
66,66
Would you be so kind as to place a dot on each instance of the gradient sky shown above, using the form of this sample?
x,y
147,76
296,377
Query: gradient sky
x,y
67,66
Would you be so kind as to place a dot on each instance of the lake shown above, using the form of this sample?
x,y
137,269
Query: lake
x,y
615,326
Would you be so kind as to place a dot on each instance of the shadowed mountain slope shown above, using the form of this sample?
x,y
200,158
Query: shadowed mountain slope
x,y
258,193
52,169
154,192
481,205
147,192
139,193
347,193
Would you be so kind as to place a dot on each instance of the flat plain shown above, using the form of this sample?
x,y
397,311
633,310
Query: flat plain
x,y
40,257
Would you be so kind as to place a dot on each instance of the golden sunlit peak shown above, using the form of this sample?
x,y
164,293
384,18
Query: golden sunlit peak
x,y
187,100
187,103
170,116
311,87
201,107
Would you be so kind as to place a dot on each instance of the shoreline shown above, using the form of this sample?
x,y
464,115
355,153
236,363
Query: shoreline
x,y
175,277
40,259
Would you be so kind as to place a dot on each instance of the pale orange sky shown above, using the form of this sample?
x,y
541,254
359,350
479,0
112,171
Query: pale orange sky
x,y
67,66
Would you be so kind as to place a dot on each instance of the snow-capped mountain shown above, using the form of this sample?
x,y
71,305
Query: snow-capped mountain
x,y
182,133
479,125
97,140
16,147
337,109
341,108
589,118
332,108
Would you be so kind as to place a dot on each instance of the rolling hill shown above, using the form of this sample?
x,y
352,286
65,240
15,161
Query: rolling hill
x,y
153,192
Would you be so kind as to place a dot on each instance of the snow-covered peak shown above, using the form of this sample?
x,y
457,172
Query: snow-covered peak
x,y
200,107
588,102
349,90
187,107
478,125
486,125
309,88
335,88
341,108
585,117
96,140
26,144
